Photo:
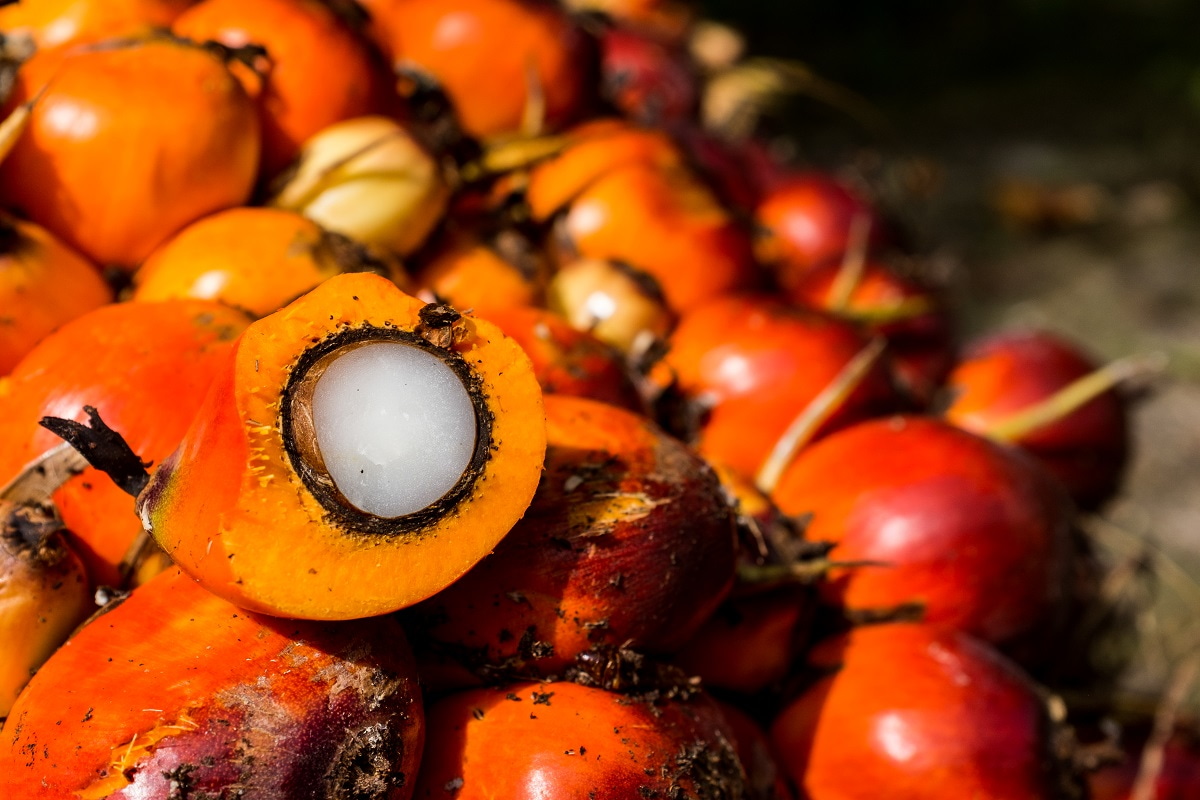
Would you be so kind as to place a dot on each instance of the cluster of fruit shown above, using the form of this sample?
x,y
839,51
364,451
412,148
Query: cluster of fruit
x,y
497,428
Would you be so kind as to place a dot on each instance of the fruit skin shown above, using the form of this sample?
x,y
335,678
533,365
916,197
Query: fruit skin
x,y
101,164
485,54
146,368
44,594
568,361
973,532
175,690
1004,373
921,347
235,506
255,259
1178,780
629,541
911,712
806,220
532,740
320,72
43,284
58,22
647,78
754,363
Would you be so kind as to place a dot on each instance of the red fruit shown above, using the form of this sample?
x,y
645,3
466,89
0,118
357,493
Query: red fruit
x,y
535,741
1004,374
175,693
915,713
755,363
764,777
646,78
806,221
906,313
1178,779
628,541
568,361
973,532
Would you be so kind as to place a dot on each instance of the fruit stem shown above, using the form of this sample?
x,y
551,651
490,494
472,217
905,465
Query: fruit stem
x,y
1145,786
854,263
15,124
43,476
512,155
802,572
1074,395
104,449
815,414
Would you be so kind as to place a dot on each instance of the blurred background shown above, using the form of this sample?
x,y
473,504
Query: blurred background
x,y
1045,156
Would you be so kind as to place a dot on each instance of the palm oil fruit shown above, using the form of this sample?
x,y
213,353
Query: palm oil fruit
x,y
808,219
569,361
359,451
971,534
948,718
629,541
57,22
905,312
508,66
472,270
319,70
177,693
749,364
537,740
128,143
146,368
43,284
1005,374
370,179
44,593
616,303
647,77
255,259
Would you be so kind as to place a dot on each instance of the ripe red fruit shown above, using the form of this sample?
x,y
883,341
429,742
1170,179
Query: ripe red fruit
x,y
1004,374
647,78
1178,779
908,314
532,741
973,532
755,363
909,712
628,541
807,220
176,693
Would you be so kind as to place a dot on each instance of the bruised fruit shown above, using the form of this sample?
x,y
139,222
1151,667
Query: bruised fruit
x,y
629,540
104,168
175,692
971,533
145,367
326,477
537,740
44,594
949,718
43,284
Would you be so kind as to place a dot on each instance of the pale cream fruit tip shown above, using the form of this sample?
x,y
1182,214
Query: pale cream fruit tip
x,y
395,426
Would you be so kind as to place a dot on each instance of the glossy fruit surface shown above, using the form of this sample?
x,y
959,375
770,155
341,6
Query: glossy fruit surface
x,y
145,367
973,533
948,718
248,505
1006,373
628,542
105,169
533,740
43,284
319,71
58,22
176,688
495,59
